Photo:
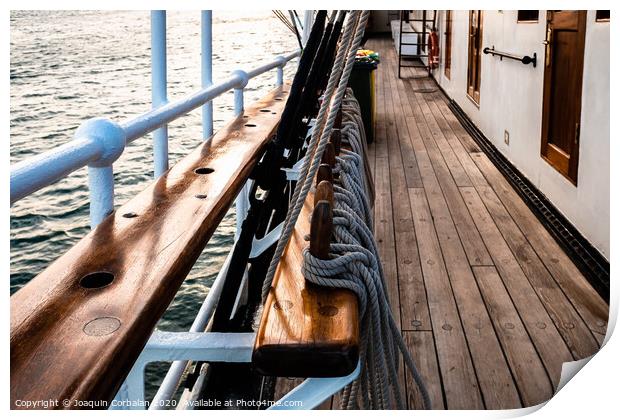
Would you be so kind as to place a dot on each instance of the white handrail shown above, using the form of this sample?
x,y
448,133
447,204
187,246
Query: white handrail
x,y
99,142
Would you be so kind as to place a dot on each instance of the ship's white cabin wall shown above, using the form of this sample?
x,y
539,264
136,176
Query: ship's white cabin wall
x,y
511,95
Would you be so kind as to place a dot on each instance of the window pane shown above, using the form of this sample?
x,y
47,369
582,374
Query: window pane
x,y
602,15
527,15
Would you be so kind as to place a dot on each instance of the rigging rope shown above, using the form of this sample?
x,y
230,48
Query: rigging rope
x,y
321,132
283,19
354,264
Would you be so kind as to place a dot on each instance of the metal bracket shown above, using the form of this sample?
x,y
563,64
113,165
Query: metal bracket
x,y
313,391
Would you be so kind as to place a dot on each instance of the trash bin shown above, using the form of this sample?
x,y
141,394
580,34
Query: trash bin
x,y
362,81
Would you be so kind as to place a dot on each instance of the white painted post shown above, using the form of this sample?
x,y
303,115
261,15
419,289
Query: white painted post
x,y
109,138
101,191
242,202
159,82
238,92
280,70
206,36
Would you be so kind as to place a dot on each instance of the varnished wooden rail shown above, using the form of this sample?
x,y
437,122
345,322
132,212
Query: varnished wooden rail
x,y
307,330
78,327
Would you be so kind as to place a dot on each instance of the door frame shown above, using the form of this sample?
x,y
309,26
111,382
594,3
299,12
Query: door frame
x,y
448,45
474,63
553,155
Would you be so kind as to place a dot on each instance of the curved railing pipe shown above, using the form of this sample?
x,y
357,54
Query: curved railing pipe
x,y
46,168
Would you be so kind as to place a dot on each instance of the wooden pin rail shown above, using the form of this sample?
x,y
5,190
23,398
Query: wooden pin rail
x,y
307,330
79,326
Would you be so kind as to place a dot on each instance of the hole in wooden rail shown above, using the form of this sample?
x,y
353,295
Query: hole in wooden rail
x,y
201,196
204,171
250,125
96,280
265,110
328,310
278,99
283,305
130,215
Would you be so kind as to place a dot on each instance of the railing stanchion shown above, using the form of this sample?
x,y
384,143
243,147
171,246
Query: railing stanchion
x,y
206,37
280,70
242,203
159,82
101,190
238,92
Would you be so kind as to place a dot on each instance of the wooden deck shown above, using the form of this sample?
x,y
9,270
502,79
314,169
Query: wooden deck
x,y
487,301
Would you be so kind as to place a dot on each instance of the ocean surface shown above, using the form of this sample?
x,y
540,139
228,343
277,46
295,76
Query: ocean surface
x,y
69,66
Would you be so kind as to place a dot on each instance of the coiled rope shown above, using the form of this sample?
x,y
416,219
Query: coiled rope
x,y
353,262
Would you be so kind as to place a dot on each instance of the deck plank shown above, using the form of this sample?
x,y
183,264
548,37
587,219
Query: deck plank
x,y
539,324
469,143
573,329
384,231
528,370
421,345
459,150
399,113
496,382
477,253
459,378
413,304
588,303
452,162
387,219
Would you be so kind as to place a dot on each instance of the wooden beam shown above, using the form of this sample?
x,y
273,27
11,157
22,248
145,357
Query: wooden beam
x,y
306,330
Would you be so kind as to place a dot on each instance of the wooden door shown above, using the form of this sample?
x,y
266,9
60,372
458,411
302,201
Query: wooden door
x,y
448,47
564,48
474,55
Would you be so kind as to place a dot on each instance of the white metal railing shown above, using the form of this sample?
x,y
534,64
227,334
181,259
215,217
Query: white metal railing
x,y
98,142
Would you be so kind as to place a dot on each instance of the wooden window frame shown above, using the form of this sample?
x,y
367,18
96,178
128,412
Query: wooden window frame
x,y
474,68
